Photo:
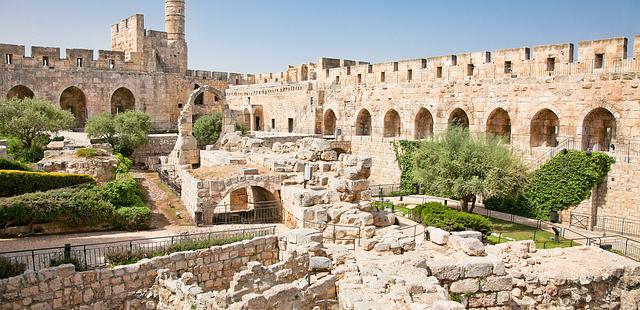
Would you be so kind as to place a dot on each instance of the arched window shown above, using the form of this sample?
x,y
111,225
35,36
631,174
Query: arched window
x,y
122,100
73,99
423,124
459,118
329,123
20,92
363,123
392,124
499,124
544,129
598,130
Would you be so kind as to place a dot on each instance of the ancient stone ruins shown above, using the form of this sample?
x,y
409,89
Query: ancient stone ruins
x,y
318,139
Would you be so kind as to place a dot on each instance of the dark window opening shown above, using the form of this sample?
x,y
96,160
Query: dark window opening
x,y
79,62
348,70
551,64
599,61
237,81
507,67
439,72
395,66
424,64
200,98
265,80
359,78
409,75
370,69
112,64
337,79
382,77
290,120
470,68
8,59
326,72
273,123
45,61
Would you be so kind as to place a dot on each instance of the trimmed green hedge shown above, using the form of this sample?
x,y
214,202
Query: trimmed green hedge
x,y
14,182
124,192
438,215
133,218
6,164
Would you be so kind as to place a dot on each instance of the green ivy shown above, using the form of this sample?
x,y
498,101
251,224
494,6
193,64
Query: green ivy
x,y
404,151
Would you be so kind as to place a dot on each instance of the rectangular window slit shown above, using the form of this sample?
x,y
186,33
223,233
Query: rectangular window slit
x,y
382,77
79,62
395,66
359,78
439,72
551,64
507,67
409,75
599,61
470,68
9,59
45,61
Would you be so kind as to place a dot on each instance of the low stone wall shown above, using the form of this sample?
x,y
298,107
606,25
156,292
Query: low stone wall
x,y
130,286
159,145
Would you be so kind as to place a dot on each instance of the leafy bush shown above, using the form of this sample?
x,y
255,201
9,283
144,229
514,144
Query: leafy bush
x,y
513,205
124,164
132,218
125,131
31,154
87,152
79,206
438,215
57,261
6,164
207,129
123,192
405,151
241,128
10,269
14,182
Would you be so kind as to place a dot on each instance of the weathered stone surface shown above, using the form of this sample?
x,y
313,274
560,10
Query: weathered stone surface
x,y
438,236
465,286
470,246
468,234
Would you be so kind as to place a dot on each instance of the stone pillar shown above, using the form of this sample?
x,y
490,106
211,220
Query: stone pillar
x,y
252,120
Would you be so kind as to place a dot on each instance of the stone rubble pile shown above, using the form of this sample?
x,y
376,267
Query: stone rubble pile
x,y
60,158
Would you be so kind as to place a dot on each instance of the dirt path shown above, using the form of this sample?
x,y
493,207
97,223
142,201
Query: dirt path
x,y
163,202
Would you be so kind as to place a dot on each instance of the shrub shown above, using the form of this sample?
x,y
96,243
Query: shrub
x,y
241,128
6,164
9,268
124,164
207,129
79,206
57,261
133,218
438,215
123,192
124,132
513,205
87,152
20,182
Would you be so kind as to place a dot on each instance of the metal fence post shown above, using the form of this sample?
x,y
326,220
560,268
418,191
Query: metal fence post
x,y
33,259
86,264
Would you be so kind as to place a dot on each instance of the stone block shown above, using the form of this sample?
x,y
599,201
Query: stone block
x,y
445,269
468,234
319,263
494,284
465,286
470,246
438,236
477,267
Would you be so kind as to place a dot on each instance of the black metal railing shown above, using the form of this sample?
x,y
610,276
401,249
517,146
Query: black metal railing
x,y
582,221
262,212
616,225
90,256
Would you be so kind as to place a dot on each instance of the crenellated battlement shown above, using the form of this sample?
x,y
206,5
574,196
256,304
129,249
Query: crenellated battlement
x,y
267,88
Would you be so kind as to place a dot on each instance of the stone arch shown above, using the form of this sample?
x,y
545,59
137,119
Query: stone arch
x,y
458,117
20,92
598,129
499,124
122,100
329,123
423,124
392,124
73,100
258,119
363,123
545,126
200,97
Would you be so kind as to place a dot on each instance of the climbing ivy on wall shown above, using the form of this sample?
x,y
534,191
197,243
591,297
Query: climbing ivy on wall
x,y
566,180
404,156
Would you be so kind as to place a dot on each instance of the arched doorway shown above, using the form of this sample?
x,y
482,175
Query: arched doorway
x,y
200,98
363,123
598,130
459,118
329,123
20,92
258,119
544,129
392,124
499,124
73,100
246,119
423,125
122,100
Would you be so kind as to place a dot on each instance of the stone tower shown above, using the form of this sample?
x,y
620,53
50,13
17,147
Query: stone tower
x,y
174,23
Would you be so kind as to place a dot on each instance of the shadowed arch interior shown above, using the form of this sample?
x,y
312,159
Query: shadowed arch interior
x,y
458,117
329,123
73,99
258,119
20,92
499,124
598,130
544,129
200,98
363,123
392,124
423,124
122,100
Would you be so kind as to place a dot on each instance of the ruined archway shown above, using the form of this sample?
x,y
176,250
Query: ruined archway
x,y
363,123
122,100
200,98
459,118
598,130
248,205
423,125
392,124
544,129
499,124
73,100
20,92
329,123
258,119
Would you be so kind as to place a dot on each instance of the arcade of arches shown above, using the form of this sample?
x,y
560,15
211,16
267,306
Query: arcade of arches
x,y
122,100
20,92
392,124
73,99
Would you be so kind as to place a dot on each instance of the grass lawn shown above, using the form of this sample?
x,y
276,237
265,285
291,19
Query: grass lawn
x,y
522,232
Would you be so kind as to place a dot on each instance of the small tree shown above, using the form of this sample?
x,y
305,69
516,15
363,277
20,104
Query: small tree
x,y
30,121
461,167
125,131
207,129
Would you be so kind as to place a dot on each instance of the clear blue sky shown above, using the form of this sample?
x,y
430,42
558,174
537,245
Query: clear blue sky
x,y
255,36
